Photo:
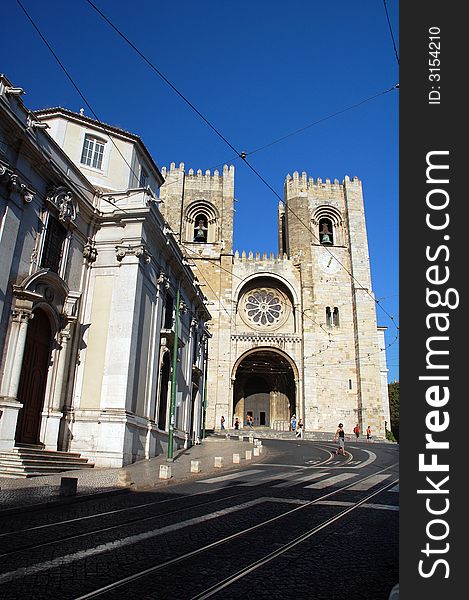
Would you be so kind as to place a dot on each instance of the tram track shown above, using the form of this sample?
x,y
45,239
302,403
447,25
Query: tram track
x,y
4,537
119,525
267,557
223,584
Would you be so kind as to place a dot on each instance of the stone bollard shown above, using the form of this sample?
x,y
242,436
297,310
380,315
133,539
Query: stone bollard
x,y
195,466
251,438
68,486
124,480
241,438
165,472
236,459
256,451
248,454
218,461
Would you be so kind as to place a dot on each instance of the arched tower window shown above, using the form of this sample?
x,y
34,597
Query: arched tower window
x,y
202,223
201,228
332,316
335,317
327,226
326,235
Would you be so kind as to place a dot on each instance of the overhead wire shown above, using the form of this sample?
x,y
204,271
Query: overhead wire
x,y
241,279
154,68
335,114
242,155
69,77
390,30
331,335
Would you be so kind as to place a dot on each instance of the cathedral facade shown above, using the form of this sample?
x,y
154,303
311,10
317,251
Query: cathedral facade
x,y
128,320
295,333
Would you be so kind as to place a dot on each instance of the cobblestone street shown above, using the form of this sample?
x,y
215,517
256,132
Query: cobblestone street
x,y
299,522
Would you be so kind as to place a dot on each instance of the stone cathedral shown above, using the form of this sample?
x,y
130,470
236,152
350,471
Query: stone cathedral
x,y
295,333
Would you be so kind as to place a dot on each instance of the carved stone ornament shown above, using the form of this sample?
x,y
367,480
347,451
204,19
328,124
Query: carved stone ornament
x,y
15,185
62,198
138,251
163,279
21,315
121,251
142,252
89,251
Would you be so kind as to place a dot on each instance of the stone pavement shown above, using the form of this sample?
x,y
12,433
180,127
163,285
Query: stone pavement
x,y
143,475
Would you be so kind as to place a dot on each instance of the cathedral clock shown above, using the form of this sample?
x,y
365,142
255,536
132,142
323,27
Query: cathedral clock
x,y
328,263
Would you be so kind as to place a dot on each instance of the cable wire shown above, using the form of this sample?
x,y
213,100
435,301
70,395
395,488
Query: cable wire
x,y
242,155
390,30
69,77
160,74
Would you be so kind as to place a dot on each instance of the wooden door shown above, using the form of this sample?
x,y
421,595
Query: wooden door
x,y
33,378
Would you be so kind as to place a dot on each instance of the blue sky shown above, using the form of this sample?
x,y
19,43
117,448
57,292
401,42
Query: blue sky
x,y
257,70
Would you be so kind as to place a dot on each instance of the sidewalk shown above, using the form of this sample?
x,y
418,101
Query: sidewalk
x,y
142,475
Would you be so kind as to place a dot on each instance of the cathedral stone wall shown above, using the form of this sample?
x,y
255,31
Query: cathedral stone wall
x,y
322,319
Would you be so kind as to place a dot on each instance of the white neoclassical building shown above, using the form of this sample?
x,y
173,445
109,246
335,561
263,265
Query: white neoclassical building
x,y
89,278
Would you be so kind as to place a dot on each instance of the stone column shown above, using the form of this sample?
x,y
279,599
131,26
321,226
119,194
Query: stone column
x,y
15,351
154,366
9,405
51,420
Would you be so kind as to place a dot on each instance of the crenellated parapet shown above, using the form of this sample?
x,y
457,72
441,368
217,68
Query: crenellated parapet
x,y
198,180
258,257
297,183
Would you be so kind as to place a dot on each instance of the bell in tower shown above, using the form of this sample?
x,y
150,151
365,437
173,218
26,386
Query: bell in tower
x,y
200,230
325,235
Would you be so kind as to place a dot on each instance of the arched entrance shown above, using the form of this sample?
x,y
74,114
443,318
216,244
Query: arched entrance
x,y
33,378
265,389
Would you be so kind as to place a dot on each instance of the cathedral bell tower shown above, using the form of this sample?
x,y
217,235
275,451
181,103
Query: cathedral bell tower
x,y
199,209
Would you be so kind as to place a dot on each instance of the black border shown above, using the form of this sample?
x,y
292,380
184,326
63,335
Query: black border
x,y
426,127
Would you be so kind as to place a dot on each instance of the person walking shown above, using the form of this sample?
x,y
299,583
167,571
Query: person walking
x,y
293,422
340,435
368,433
236,423
300,429
356,430
222,420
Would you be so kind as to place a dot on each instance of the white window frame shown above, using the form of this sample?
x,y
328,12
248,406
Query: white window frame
x,y
92,152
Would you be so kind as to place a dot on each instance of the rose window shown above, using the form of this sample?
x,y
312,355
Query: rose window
x,y
264,307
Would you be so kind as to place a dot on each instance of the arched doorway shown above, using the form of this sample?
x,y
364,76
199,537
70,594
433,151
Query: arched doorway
x,y
33,378
265,389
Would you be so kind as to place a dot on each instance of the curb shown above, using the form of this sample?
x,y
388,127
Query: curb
x,y
56,501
